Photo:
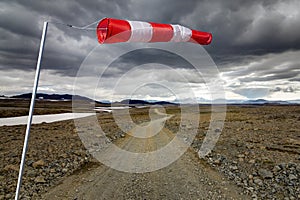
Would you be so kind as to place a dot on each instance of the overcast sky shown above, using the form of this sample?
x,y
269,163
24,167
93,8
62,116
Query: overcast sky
x,y
256,48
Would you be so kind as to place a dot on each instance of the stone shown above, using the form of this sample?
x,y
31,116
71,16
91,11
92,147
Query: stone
x,y
31,173
282,165
64,170
258,181
217,130
217,162
39,163
252,161
64,155
276,168
292,177
81,153
40,179
266,174
11,168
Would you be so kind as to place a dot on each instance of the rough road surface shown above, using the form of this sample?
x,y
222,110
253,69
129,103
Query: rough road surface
x,y
186,178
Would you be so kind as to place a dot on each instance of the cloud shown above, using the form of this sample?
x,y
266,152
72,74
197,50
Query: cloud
x,y
269,67
14,82
240,28
289,89
256,44
252,93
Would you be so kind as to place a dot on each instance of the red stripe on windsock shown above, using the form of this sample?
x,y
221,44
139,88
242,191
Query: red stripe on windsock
x,y
113,31
161,32
200,37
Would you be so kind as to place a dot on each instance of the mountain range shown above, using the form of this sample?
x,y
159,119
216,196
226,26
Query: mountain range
x,y
69,97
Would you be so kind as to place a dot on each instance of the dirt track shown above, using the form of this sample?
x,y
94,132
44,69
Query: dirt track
x,y
186,178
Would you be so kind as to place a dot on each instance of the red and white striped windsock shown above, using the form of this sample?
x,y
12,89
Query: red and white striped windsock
x,y
115,30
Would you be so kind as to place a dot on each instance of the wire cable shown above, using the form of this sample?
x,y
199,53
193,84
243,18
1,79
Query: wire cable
x,y
79,27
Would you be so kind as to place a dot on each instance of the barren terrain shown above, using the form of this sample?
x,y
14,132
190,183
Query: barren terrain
x,y
257,156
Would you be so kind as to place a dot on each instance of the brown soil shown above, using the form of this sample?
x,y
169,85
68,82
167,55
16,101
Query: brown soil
x,y
253,137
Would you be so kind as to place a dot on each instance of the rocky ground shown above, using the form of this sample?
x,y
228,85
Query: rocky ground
x,y
258,150
20,107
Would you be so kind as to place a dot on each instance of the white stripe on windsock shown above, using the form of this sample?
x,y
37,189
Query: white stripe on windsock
x,y
140,31
181,33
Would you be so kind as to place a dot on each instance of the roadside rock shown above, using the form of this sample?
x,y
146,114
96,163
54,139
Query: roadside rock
x,y
292,177
40,179
265,174
39,163
258,181
11,167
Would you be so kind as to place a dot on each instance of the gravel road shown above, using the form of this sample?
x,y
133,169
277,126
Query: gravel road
x,y
186,178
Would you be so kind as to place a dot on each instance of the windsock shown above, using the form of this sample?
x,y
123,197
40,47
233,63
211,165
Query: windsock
x,y
115,30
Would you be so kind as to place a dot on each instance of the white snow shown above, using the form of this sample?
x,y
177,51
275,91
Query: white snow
x,y
110,109
37,119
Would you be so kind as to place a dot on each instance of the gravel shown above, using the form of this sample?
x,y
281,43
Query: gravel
x,y
282,181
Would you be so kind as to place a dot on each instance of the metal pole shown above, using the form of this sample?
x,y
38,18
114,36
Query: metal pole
x,y
34,90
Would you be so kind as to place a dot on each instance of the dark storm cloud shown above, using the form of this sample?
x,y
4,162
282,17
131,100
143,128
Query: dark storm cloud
x,y
285,75
271,67
295,79
241,29
266,72
20,32
286,90
146,56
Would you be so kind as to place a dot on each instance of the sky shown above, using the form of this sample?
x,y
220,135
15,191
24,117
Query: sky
x,y
255,50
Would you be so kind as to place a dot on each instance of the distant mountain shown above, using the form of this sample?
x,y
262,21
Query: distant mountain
x,y
3,97
238,101
106,101
192,101
69,97
143,102
260,102
235,101
256,101
263,101
296,101
154,102
61,97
